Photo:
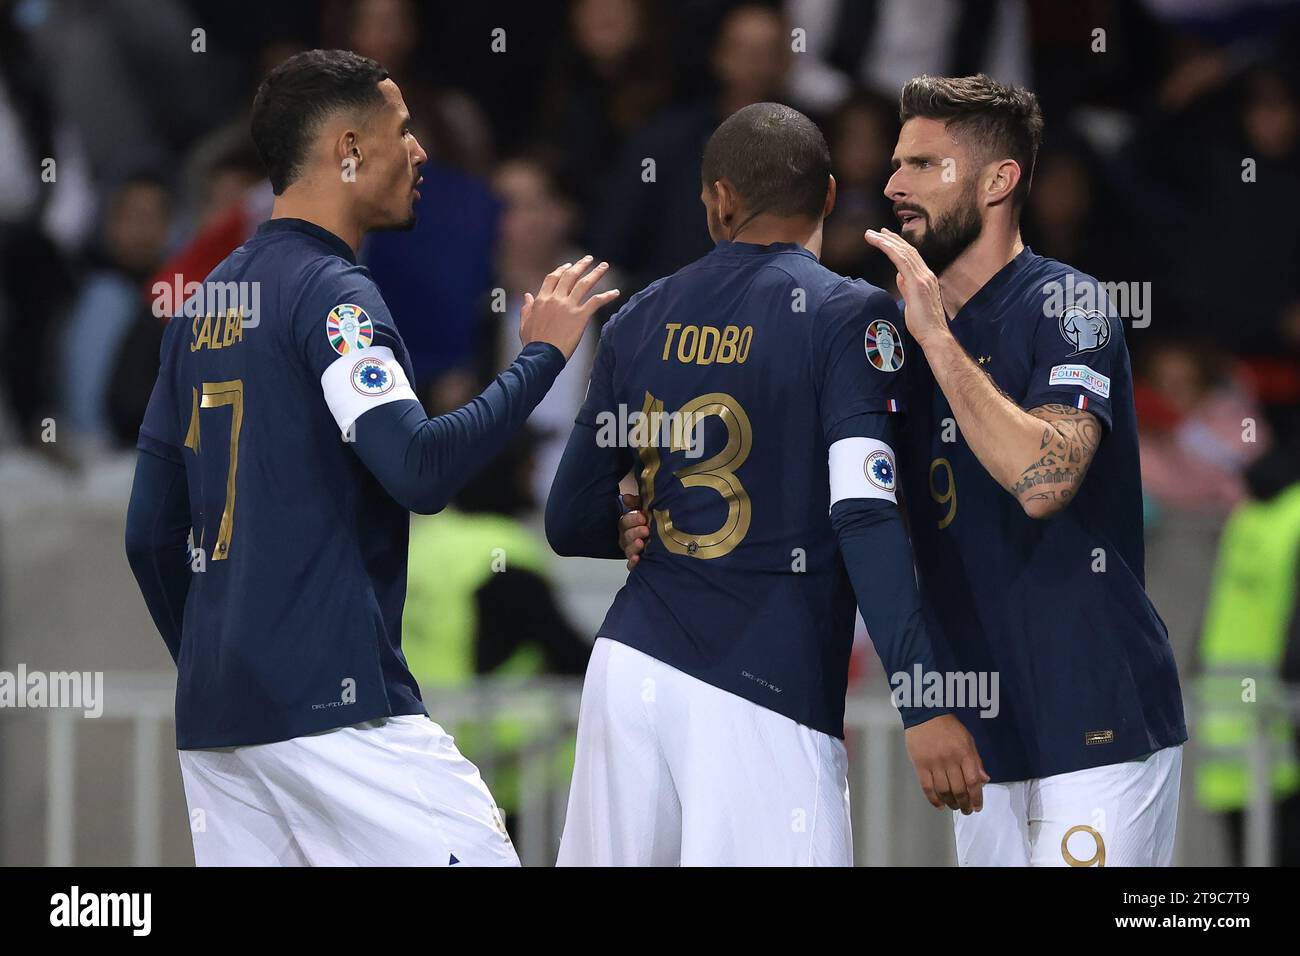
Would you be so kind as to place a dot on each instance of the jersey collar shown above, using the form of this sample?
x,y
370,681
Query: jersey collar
x,y
289,224
728,248
994,287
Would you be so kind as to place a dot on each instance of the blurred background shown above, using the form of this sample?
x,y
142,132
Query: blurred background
x,y
1171,157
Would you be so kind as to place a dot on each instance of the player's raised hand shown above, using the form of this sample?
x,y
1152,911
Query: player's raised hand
x,y
947,764
917,283
633,530
560,311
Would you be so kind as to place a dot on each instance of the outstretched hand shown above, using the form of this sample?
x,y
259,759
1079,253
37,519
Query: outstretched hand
x,y
559,313
917,284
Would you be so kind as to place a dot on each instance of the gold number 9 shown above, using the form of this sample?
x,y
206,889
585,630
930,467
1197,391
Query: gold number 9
x,y
1099,854
949,495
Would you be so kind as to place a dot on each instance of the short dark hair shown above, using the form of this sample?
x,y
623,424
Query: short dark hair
x,y
775,157
1004,121
298,95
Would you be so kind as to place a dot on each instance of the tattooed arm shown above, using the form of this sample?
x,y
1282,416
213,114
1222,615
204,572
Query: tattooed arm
x,y
1040,456
1070,439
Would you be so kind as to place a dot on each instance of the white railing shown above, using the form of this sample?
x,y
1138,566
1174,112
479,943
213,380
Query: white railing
x,y
549,707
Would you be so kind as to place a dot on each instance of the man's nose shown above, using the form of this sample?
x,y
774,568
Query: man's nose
x,y
893,188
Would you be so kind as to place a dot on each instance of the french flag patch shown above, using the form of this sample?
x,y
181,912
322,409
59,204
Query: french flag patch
x,y
1081,402
893,404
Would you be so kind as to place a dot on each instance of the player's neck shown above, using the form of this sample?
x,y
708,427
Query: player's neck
x,y
296,203
764,230
983,259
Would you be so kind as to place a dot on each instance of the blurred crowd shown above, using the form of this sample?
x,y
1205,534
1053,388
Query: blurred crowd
x,y
1171,157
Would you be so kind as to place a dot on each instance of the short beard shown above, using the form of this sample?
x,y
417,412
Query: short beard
x,y
404,225
947,238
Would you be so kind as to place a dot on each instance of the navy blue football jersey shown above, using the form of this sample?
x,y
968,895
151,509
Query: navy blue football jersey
x,y
768,359
292,624
1057,608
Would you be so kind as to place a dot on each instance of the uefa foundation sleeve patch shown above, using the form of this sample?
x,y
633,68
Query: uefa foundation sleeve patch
x,y
1082,376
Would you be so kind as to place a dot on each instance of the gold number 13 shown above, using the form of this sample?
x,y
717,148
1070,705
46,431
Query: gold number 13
x,y
216,394
717,473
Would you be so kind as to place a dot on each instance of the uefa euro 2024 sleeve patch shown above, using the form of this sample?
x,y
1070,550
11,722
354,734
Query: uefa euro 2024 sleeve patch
x,y
884,346
348,328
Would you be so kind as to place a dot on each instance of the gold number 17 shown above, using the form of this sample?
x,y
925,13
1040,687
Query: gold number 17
x,y
216,394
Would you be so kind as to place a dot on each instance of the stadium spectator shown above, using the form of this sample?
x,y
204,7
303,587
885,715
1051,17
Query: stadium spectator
x,y
539,219
1200,429
861,135
608,79
1140,178
34,271
478,598
1252,627
882,45
434,277
448,121
112,299
649,223
1070,214
1218,148
230,197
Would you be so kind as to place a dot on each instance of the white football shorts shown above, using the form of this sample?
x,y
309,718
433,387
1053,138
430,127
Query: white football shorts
x,y
673,771
389,792
1122,814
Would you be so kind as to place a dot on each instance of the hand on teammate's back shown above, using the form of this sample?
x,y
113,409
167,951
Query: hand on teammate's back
x,y
633,530
947,764
560,311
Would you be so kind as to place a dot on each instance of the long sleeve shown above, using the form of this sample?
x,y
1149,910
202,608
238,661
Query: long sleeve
x,y
423,462
878,558
583,507
157,546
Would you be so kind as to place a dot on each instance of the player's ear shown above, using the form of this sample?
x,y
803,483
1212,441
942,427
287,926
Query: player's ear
x,y
348,149
1002,181
727,204
830,196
